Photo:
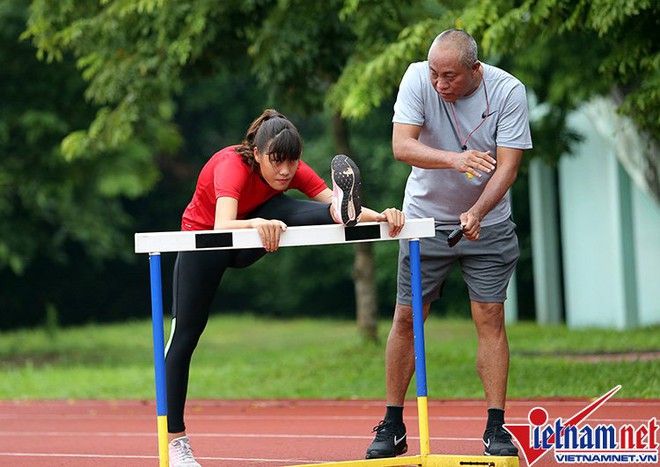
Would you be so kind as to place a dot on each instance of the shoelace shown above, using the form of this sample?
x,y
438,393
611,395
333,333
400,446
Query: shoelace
x,y
382,429
500,433
183,451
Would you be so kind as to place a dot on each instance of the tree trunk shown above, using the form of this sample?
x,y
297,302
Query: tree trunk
x,y
366,300
364,275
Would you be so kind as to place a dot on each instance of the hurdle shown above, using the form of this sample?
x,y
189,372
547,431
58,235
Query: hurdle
x,y
155,243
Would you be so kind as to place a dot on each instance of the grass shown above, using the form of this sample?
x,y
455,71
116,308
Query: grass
x,y
244,356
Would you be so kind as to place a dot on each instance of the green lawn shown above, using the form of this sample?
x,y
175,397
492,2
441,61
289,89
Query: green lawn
x,y
250,357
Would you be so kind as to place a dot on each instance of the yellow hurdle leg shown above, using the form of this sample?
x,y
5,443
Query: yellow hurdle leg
x,y
423,415
163,453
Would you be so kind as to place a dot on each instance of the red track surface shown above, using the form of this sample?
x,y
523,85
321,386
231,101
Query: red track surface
x,y
259,433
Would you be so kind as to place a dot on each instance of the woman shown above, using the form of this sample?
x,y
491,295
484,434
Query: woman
x,y
242,187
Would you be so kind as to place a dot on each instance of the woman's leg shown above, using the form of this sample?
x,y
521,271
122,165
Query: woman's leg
x,y
294,212
196,279
291,211
197,276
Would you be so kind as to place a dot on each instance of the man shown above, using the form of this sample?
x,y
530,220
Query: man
x,y
462,125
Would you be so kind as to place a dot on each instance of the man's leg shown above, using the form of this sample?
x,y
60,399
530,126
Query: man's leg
x,y
487,267
400,354
493,370
492,351
390,437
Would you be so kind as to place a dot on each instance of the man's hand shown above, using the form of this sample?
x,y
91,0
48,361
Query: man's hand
x,y
474,162
471,225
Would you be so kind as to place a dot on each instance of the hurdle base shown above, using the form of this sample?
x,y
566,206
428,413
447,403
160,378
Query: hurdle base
x,y
430,460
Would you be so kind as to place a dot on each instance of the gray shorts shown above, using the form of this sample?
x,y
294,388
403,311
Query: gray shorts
x,y
487,264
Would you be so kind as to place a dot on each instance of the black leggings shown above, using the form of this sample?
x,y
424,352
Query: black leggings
x,y
197,275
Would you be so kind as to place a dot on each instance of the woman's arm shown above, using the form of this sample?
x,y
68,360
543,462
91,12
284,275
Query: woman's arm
x,y
226,211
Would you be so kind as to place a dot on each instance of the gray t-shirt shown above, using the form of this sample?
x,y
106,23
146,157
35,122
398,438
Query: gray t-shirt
x,y
445,193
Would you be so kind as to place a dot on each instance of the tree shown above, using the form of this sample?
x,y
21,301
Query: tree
x,y
48,202
299,52
72,165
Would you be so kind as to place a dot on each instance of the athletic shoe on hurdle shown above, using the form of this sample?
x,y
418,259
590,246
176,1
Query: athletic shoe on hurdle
x,y
390,440
346,185
497,442
181,454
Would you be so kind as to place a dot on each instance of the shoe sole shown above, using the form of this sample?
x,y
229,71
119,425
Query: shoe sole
x,y
346,177
378,455
501,454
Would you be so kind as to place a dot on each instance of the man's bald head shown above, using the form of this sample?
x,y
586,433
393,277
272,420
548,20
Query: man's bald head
x,y
460,41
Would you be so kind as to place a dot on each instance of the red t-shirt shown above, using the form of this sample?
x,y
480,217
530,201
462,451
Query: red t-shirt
x,y
225,174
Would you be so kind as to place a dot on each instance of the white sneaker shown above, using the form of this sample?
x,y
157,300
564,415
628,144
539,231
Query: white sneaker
x,y
346,186
181,454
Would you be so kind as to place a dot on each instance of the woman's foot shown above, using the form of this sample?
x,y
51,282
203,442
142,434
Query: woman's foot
x,y
181,454
346,205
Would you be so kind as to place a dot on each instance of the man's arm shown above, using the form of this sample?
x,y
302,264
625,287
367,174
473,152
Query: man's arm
x,y
408,149
500,182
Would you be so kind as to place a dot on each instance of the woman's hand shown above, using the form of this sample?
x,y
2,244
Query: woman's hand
x,y
395,218
269,232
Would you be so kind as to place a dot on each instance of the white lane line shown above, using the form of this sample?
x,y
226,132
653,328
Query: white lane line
x,y
249,418
210,435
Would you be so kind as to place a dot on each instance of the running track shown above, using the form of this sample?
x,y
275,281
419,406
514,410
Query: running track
x,y
259,433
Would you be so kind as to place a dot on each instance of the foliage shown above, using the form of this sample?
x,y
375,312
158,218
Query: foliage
x,y
604,48
131,54
46,201
298,51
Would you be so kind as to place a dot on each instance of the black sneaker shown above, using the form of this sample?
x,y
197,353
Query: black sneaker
x,y
346,190
497,442
390,440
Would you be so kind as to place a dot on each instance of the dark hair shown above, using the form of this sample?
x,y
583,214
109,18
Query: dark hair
x,y
273,134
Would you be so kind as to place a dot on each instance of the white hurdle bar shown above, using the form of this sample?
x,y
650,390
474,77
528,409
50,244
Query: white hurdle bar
x,y
163,242
155,243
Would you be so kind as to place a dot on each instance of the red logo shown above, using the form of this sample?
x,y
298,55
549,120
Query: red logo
x,y
572,443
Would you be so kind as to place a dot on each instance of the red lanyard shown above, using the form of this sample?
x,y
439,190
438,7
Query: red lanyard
x,y
484,116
